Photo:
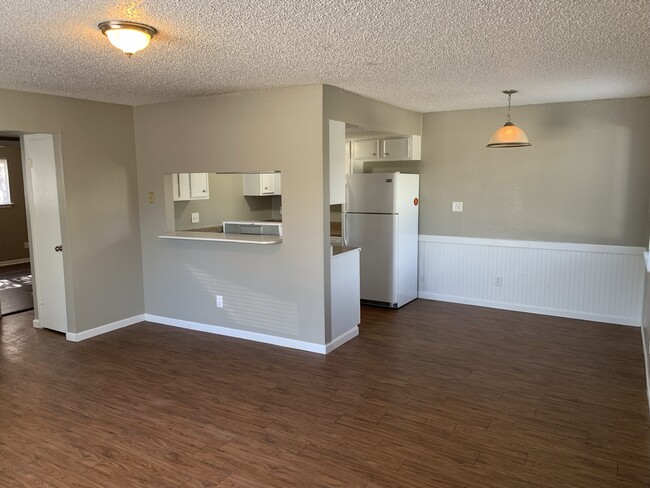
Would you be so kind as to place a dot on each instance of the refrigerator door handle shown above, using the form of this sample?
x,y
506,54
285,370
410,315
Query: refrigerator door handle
x,y
344,237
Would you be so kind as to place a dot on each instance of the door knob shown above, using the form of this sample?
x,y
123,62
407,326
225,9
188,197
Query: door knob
x,y
58,248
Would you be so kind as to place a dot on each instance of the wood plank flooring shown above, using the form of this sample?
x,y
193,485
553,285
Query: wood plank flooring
x,y
432,395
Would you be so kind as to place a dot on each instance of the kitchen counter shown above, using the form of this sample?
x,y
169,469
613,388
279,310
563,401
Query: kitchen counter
x,y
345,293
221,237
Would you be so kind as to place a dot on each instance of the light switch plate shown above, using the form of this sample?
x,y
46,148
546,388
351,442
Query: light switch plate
x,y
456,206
151,197
195,217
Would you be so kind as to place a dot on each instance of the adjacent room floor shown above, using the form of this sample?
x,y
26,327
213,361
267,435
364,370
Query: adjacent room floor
x,y
16,288
432,395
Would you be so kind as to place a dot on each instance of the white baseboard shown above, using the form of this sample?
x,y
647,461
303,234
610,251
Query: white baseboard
x,y
254,336
342,339
14,261
103,329
37,324
609,319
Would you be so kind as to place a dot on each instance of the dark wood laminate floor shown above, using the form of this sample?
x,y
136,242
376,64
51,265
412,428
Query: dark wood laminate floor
x,y
432,395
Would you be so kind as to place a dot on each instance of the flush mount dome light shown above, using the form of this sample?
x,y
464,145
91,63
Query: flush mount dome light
x,y
509,135
130,37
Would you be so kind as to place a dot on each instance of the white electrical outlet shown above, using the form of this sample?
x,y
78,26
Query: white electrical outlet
x,y
456,206
195,217
498,281
219,301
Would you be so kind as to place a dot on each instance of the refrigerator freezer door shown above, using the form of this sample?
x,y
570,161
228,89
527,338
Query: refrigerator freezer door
x,y
376,235
371,193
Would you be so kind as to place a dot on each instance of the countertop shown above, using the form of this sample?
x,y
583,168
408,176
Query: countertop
x,y
221,237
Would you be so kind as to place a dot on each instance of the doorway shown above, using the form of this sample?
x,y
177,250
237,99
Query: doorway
x,y
15,270
41,184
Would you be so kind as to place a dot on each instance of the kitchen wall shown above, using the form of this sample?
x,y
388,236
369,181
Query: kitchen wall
x,y
226,202
354,109
101,239
276,290
556,228
13,220
585,179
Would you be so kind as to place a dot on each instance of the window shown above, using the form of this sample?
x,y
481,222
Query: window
x,y
5,196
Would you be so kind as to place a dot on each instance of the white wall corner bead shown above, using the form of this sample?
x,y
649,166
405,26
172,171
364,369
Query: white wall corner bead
x,y
584,281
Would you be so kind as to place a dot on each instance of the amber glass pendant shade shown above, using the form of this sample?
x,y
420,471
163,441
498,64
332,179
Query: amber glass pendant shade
x,y
509,135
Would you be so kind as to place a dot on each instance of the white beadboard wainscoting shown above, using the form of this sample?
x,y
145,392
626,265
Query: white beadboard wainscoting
x,y
584,281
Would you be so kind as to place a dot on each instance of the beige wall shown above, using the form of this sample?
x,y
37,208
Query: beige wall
x,y
272,289
226,202
365,112
586,178
13,220
101,240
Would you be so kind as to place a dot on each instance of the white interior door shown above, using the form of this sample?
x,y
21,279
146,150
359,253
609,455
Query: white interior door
x,y
45,221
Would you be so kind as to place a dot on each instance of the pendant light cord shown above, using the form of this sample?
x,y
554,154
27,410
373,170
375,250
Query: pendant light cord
x,y
508,119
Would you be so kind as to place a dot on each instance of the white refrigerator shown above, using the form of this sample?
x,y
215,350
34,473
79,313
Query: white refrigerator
x,y
381,217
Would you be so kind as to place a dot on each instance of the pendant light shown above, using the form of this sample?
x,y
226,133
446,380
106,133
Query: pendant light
x,y
130,37
509,135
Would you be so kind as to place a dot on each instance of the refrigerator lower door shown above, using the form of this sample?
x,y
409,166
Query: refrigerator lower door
x,y
376,235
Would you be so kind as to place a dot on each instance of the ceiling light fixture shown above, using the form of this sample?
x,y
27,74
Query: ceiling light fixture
x,y
509,135
130,37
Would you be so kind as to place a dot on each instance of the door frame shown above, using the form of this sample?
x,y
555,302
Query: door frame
x,y
29,207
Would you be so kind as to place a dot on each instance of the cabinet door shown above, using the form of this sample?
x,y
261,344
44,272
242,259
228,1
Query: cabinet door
x,y
396,148
199,186
365,150
267,183
181,186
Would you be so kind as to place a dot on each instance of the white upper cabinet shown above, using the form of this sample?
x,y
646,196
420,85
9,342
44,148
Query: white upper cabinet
x,y
199,186
262,184
390,149
365,150
338,168
190,186
396,148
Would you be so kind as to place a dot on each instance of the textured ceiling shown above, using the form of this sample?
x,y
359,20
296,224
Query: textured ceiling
x,y
425,55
